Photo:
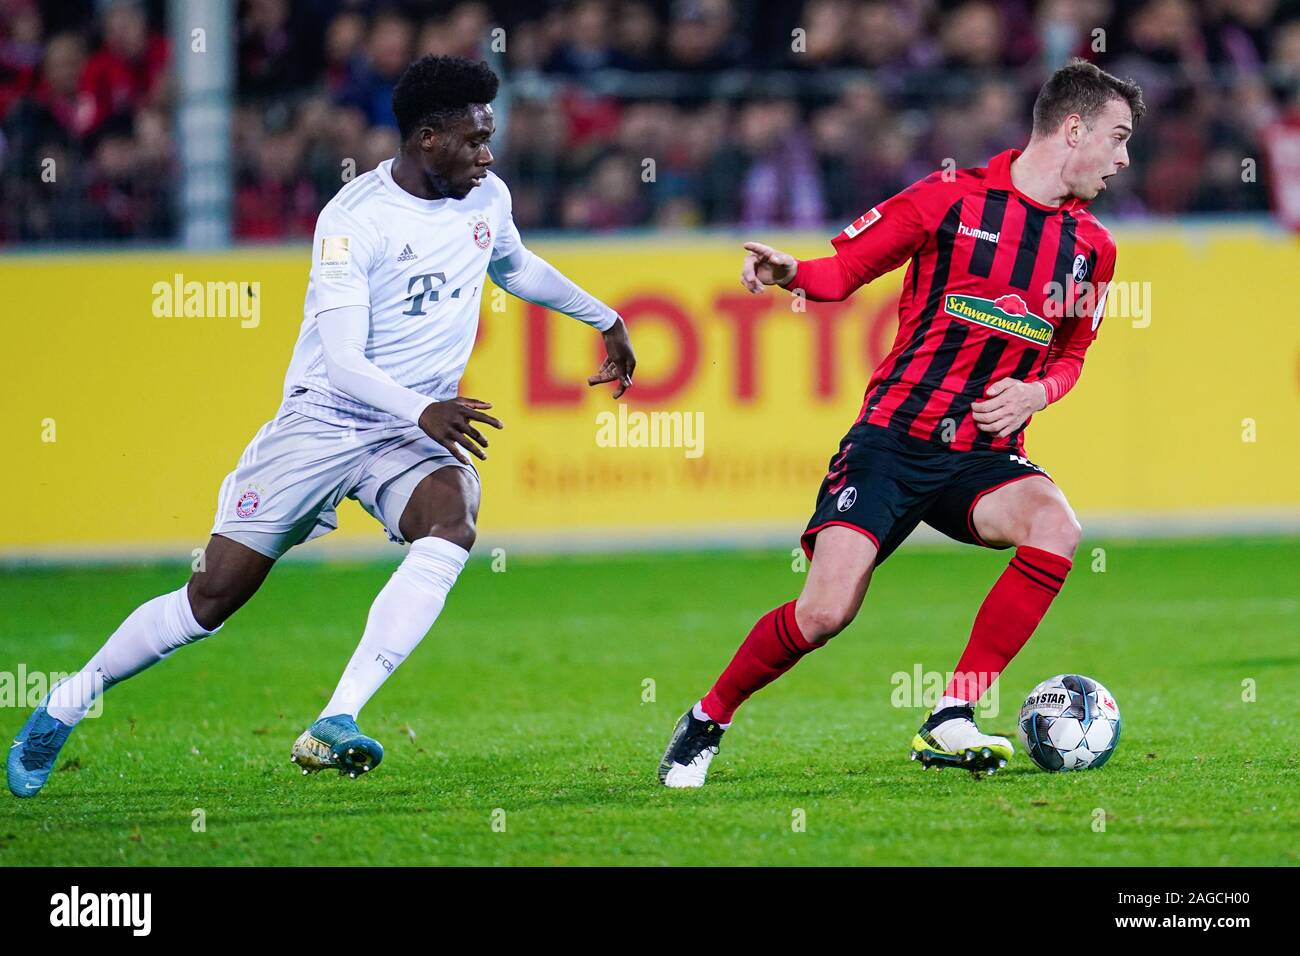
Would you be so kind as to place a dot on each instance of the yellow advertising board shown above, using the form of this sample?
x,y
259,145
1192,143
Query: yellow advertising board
x,y
124,408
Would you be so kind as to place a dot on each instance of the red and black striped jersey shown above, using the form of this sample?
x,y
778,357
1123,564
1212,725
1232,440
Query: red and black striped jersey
x,y
999,286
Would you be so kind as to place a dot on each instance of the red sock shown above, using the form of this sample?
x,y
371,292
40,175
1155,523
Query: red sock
x,y
772,648
1007,617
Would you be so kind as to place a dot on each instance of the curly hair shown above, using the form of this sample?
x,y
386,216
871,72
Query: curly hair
x,y
435,90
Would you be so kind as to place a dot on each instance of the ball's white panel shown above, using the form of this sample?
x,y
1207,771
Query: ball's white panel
x,y
1099,735
1077,759
1066,733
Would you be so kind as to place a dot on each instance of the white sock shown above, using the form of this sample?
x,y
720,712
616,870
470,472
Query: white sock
x,y
698,712
152,631
402,614
946,701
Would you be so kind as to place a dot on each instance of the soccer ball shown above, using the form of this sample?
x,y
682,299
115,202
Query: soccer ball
x,y
1069,722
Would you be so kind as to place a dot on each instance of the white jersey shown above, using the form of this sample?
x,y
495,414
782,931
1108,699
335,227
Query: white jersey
x,y
418,265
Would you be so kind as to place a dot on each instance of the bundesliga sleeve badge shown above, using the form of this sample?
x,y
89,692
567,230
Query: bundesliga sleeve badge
x,y
859,225
335,257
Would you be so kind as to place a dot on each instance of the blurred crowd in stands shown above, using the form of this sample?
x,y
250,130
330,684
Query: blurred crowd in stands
x,y
633,113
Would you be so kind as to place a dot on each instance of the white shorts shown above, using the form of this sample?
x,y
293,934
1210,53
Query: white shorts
x,y
297,470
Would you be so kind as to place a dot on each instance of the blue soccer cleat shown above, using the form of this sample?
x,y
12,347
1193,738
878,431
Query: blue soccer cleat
x,y
335,743
34,750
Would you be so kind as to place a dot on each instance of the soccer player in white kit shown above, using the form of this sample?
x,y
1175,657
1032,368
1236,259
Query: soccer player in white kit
x,y
370,412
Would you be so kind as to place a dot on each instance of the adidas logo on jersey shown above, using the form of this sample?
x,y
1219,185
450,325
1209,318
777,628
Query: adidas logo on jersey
x,y
407,255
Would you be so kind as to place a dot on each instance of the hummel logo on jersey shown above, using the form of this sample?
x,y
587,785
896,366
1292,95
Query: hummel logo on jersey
x,y
407,255
965,230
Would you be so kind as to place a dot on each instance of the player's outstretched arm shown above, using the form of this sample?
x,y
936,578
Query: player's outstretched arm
x,y
528,276
877,242
821,280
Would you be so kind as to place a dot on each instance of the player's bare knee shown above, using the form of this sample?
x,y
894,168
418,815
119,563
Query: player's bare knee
x,y
1054,528
460,532
210,604
820,621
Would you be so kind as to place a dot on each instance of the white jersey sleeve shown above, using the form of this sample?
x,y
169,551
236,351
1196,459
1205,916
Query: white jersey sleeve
x,y
507,243
343,336
528,276
343,255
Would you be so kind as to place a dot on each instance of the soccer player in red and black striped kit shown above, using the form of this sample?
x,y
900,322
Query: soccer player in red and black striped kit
x,y
1003,295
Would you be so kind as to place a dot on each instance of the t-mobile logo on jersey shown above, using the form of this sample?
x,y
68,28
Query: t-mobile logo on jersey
x,y
421,290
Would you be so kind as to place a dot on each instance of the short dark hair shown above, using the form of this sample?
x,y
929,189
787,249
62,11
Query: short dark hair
x,y
436,90
1084,88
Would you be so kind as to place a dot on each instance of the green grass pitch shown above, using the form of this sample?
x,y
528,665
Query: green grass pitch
x,y
518,733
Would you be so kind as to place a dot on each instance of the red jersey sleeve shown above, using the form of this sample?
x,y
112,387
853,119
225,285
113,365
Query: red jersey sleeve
x,y
1065,354
877,242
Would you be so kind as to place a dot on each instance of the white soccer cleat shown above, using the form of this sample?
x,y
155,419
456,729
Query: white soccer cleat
x,y
949,738
692,748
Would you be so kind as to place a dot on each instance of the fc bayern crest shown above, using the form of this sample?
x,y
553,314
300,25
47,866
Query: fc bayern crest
x,y
482,234
847,497
248,503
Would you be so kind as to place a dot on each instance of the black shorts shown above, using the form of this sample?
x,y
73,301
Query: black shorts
x,y
883,483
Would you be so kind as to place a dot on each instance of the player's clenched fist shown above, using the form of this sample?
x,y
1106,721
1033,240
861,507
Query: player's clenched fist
x,y
765,266
449,424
